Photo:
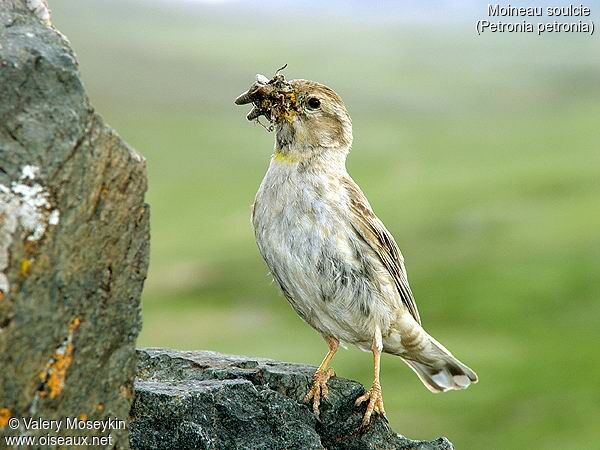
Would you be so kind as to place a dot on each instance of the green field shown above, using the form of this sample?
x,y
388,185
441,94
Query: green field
x,y
481,155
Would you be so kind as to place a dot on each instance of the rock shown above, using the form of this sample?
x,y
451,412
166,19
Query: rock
x,y
73,238
207,400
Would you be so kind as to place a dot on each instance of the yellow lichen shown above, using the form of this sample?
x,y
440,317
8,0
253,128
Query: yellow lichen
x,y
54,374
5,416
100,407
56,371
74,324
25,266
83,417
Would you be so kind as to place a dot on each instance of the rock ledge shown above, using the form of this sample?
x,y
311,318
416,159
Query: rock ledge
x,y
208,400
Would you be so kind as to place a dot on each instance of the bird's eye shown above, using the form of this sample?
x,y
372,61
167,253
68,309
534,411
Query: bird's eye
x,y
314,102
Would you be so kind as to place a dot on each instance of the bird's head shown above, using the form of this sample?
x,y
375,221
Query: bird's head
x,y
308,117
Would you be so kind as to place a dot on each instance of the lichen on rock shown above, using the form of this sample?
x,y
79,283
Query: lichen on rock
x,y
53,376
5,416
25,205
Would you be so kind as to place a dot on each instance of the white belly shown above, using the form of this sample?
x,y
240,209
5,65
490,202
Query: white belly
x,y
326,272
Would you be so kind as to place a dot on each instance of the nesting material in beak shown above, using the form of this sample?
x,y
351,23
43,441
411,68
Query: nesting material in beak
x,y
274,98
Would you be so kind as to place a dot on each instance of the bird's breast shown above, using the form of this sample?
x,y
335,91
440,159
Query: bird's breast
x,y
304,235
297,212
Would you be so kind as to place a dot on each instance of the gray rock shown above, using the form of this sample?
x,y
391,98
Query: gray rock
x,y
73,237
207,400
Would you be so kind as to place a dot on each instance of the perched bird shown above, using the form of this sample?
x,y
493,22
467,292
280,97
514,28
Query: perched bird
x,y
336,263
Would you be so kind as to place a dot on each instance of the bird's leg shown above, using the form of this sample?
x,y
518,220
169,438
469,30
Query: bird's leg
x,y
373,395
319,387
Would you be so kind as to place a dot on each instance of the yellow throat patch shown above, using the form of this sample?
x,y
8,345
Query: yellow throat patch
x,y
282,157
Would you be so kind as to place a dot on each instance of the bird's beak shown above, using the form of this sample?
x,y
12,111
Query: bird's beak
x,y
259,91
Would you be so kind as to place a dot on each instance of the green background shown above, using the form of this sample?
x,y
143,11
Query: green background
x,y
481,155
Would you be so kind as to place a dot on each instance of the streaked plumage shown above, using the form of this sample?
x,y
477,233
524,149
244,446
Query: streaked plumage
x,y
336,263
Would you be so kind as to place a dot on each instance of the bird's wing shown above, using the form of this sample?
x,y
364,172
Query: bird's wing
x,y
373,232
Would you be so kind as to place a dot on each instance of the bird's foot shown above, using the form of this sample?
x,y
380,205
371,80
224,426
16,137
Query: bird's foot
x,y
375,398
319,389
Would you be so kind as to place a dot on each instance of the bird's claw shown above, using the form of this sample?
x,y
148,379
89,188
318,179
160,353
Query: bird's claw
x,y
375,398
319,389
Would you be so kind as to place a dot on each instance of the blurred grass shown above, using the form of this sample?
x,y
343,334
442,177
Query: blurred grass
x,y
481,154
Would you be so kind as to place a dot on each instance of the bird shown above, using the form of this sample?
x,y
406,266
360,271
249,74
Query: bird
x,y
335,261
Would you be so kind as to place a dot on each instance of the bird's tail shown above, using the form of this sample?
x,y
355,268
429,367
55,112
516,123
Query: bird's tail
x,y
439,370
